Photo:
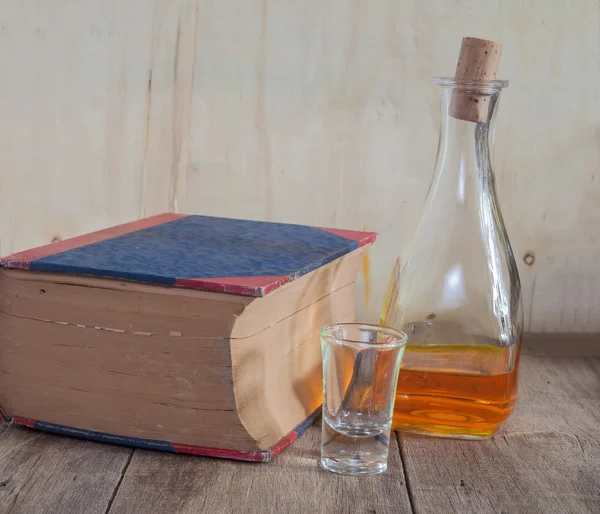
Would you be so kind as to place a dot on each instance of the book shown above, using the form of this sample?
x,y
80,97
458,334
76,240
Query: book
x,y
183,333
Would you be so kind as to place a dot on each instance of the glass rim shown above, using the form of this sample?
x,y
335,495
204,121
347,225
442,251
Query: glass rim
x,y
471,85
400,337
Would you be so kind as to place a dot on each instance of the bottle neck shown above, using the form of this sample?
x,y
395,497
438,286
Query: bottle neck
x,y
463,164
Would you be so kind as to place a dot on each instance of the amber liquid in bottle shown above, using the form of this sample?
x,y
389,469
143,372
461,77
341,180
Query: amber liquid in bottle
x,y
456,390
455,289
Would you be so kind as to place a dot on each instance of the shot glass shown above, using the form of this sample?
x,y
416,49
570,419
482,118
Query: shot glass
x,y
361,363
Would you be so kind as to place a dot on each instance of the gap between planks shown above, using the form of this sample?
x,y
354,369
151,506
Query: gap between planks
x,y
118,484
292,483
409,491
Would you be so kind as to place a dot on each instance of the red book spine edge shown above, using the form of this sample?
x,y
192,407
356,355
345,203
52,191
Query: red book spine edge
x,y
244,455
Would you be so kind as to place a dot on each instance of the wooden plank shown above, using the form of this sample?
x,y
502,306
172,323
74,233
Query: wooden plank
x,y
309,112
95,107
324,113
545,459
45,473
293,482
168,97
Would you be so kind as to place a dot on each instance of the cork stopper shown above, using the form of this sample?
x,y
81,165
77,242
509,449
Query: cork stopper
x,y
478,60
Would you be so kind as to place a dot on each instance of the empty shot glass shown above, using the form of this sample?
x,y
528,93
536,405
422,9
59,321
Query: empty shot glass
x,y
361,363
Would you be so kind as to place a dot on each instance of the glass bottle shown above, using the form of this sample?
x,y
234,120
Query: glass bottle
x,y
456,293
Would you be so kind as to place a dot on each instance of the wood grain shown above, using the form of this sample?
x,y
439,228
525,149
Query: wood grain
x,y
292,483
314,112
545,459
168,96
338,125
96,112
40,473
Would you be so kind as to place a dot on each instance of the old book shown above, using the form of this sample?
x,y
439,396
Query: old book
x,y
188,334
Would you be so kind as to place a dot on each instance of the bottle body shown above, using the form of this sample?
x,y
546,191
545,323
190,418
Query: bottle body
x,y
456,291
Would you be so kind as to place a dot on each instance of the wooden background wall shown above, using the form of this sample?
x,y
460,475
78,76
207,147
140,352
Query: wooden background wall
x,y
315,111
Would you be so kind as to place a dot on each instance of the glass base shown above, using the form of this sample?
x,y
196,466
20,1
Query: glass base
x,y
356,451
353,467
445,431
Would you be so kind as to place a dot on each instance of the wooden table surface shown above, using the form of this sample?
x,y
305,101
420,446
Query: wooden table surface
x,y
545,459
